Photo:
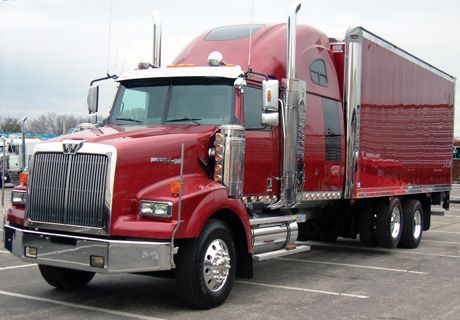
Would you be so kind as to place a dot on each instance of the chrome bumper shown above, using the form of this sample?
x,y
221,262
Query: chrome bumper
x,y
75,252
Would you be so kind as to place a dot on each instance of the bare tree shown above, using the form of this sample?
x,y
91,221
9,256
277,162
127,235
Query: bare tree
x,y
53,123
38,125
10,125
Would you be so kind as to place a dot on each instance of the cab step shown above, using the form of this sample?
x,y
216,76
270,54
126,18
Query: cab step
x,y
280,253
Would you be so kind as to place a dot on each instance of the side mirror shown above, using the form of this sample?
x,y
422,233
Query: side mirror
x,y
240,84
270,95
93,99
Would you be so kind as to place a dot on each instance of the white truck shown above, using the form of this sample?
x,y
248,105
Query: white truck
x,y
13,155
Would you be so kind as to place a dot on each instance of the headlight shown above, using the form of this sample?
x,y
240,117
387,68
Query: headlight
x,y
156,209
18,198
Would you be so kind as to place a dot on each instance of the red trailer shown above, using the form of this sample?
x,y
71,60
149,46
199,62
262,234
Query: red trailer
x,y
215,162
456,162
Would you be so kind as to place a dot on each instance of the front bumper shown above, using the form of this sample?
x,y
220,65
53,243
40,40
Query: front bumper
x,y
74,252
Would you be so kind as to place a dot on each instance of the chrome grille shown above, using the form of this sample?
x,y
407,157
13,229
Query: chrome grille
x,y
68,189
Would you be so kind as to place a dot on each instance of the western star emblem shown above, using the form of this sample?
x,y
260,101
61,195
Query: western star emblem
x,y
71,148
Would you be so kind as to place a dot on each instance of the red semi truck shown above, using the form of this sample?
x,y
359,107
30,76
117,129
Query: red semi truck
x,y
212,163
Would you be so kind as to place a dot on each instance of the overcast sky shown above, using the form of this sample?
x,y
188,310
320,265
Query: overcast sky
x,y
51,49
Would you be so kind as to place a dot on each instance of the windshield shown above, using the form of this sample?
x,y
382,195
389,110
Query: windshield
x,y
174,101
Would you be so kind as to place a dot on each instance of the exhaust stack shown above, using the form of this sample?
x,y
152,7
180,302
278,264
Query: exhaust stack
x,y
291,40
293,94
156,39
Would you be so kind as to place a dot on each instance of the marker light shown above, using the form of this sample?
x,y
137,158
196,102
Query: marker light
x,y
182,65
23,178
215,59
174,187
218,157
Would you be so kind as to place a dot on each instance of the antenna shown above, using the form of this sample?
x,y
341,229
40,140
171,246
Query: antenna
x,y
250,35
109,37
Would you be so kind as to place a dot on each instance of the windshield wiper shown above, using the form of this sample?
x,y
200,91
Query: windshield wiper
x,y
194,120
129,119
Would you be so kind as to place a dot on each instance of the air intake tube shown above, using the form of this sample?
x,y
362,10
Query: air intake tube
x,y
229,158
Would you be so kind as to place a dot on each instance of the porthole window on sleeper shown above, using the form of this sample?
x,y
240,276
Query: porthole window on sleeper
x,y
318,72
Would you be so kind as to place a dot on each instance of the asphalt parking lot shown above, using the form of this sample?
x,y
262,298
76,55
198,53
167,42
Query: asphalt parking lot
x,y
340,280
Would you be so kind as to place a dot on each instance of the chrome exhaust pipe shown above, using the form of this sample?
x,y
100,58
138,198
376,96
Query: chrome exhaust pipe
x,y
156,39
293,120
291,39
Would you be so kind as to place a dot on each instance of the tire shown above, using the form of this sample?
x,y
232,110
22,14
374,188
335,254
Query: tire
x,y
66,279
213,250
412,224
389,223
366,226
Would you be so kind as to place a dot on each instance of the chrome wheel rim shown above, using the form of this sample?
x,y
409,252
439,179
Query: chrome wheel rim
x,y
216,267
417,224
395,222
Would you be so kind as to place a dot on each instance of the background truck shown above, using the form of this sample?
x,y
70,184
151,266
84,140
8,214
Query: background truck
x,y
13,158
213,162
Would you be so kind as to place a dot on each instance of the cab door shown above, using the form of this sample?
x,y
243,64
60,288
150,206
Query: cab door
x,y
261,161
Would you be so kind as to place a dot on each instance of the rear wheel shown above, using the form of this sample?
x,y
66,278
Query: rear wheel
x,y
63,278
413,224
389,223
206,267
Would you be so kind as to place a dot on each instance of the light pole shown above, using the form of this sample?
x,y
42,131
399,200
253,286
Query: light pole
x,y
3,140
22,122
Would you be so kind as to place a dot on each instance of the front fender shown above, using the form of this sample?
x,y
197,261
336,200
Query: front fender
x,y
201,199
216,201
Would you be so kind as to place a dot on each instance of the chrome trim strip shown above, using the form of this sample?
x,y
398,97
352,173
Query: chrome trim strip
x,y
262,199
74,252
319,195
400,191
352,99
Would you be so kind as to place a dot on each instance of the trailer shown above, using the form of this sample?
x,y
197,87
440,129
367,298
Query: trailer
x,y
217,161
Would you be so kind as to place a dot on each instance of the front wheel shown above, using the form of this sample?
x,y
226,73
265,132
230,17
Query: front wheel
x,y
206,267
67,279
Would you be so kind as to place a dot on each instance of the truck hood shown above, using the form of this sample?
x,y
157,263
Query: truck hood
x,y
121,134
147,157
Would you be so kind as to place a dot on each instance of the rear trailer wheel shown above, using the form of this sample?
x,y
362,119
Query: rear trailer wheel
x,y
206,267
67,279
389,223
412,224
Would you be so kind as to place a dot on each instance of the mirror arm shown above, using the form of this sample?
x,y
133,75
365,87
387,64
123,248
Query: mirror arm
x,y
249,72
108,76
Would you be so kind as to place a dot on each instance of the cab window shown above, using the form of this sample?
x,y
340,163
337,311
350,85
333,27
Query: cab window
x,y
253,108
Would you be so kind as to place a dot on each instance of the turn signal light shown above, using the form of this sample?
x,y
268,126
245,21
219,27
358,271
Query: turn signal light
x,y
174,187
23,178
